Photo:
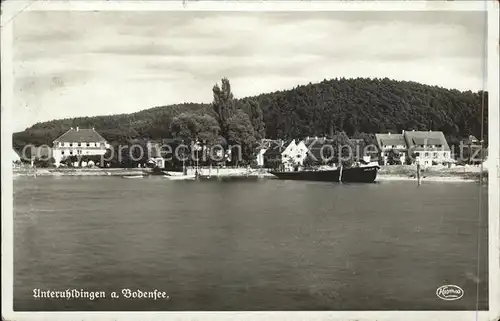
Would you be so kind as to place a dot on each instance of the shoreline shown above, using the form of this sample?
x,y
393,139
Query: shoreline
x,y
383,176
78,172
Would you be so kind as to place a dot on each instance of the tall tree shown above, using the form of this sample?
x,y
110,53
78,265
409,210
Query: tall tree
x,y
191,127
257,119
241,134
223,104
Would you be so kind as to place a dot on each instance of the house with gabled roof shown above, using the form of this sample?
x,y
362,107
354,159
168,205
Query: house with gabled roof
x,y
78,142
428,147
390,142
289,154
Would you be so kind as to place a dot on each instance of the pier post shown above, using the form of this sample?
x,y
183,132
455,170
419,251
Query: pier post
x,y
418,173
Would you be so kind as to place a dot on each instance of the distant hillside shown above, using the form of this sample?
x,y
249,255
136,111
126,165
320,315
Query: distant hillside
x,y
350,105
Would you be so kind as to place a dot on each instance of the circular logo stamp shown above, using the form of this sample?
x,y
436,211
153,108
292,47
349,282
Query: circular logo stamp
x,y
449,292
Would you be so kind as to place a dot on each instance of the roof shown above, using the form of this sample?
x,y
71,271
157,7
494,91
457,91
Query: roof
x,y
390,140
267,143
427,138
276,148
316,142
79,135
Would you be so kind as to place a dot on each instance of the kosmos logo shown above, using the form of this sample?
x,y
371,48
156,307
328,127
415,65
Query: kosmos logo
x,y
449,292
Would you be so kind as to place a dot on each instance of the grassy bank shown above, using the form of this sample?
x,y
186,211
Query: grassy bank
x,y
432,173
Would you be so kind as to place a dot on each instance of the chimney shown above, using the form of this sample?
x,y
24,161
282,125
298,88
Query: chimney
x,y
93,128
403,132
71,128
389,133
77,128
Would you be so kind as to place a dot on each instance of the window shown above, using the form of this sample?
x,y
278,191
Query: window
x,y
435,154
88,144
70,144
79,144
62,152
71,152
426,154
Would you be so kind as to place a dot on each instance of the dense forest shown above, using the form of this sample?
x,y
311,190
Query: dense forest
x,y
358,107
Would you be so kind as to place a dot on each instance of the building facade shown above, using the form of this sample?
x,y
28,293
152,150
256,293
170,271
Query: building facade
x,y
78,142
293,155
428,147
392,143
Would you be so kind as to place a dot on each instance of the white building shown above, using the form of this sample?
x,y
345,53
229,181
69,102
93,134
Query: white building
x,y
388,143
429,147
301,153
265,145
293,155
78,142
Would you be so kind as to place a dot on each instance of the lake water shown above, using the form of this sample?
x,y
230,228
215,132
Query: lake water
x,y
253,244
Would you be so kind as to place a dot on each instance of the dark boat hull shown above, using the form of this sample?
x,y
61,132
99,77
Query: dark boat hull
x,y
366,174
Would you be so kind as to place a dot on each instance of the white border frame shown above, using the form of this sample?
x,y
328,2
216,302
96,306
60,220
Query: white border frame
x,y
11,8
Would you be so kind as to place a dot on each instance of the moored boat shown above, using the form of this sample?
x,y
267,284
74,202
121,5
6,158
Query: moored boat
x,y
133,176
180,177
361,174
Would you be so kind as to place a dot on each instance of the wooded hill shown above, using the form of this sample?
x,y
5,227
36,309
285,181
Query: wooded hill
x,y
355,106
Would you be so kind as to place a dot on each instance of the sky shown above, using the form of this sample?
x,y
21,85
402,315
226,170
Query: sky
x,y
70,64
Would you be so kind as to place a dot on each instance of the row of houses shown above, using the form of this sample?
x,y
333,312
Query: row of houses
x,y
294,152
427,147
